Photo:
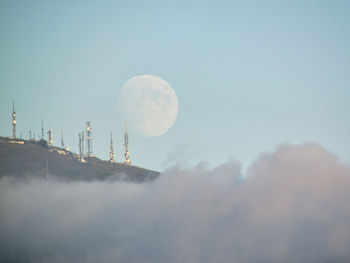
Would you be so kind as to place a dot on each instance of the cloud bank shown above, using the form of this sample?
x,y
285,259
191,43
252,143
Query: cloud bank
x,y
291,207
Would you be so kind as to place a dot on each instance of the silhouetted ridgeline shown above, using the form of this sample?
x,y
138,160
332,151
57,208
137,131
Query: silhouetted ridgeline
x,y
22,158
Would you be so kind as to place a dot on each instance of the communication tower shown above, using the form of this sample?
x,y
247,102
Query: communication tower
x,y
79,144
126,146
81,147
82,142
50,141
89,139
42,130
111,152
62,142
13,120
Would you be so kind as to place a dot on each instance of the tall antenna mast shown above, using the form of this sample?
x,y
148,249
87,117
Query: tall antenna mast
x,y
13,119
50,141
82,144
89,139
126,146
62,142
42,130
111,152
79,145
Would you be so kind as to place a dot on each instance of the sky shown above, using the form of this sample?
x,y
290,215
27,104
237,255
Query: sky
x,y
249,75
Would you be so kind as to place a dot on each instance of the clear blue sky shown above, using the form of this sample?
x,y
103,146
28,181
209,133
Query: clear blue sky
x,y
249,75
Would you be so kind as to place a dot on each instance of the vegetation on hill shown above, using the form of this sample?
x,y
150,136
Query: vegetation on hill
x,y
22,158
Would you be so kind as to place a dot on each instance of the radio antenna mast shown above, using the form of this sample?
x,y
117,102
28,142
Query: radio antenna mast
x,y
50,141
13,119
62,142
127,160
82,144
89,139
42,130
111,152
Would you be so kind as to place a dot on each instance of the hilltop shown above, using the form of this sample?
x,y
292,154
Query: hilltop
x,y
22,158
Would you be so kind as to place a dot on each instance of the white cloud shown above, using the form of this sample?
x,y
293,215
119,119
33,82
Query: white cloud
x,y
293,207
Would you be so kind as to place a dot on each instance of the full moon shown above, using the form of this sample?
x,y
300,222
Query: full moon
x,y
149,104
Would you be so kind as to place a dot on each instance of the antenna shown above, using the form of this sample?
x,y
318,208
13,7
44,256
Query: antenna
x,y
62,142
111,152
50,141
42,130
79,145
126,137
126,146
13,119
82,144
89,139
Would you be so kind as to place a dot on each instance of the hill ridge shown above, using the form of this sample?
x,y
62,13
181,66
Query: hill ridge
x,y
22,158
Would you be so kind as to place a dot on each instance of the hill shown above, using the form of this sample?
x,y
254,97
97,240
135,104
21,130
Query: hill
x,y
23,158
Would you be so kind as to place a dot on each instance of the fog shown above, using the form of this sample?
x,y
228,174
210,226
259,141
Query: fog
x,y
292,205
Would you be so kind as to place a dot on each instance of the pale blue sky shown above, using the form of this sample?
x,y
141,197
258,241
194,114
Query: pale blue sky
x,y
249,75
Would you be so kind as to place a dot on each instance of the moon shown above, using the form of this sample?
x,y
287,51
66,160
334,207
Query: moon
x,y
149,104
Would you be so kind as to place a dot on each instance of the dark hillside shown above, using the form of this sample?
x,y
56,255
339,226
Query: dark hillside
x,y
22,158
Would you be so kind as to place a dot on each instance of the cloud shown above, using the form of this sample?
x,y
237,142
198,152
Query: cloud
x,y
291,207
